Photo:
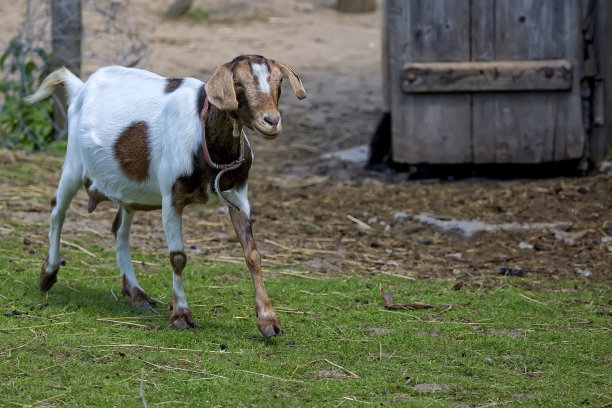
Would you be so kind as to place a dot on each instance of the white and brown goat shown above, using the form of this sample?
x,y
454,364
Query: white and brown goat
x,y
146,142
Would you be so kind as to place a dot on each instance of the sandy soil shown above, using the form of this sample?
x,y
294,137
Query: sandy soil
x,y
325,216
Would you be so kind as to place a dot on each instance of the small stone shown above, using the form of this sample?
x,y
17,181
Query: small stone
x,y
432,388
524,245
400,217
488,360
605,240
583,272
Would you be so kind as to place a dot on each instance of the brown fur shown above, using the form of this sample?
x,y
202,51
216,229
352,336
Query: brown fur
x,y
117,222
132,151
47,280
53,202
193,187
220,89
172,84
138,298
95,197
140,207
266,318
178,260
181,316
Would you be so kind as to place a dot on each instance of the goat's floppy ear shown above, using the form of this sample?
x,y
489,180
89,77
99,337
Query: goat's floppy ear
x,y
220,89
294,79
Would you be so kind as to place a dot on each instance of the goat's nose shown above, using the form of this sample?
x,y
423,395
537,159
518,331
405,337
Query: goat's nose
x,y
272,120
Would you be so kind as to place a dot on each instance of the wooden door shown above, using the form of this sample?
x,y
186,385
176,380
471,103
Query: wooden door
x,y
485,81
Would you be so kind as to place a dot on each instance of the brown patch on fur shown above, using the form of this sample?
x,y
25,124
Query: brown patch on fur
x,y
140,207
181,316
178,260
223,148
138,298
220,88
132,151
53,202
117,222
172,84
267,322
47,280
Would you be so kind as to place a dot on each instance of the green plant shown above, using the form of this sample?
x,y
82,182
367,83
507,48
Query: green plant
x,y
21,125
198,14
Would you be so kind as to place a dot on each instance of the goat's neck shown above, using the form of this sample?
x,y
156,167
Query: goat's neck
x,y
222,146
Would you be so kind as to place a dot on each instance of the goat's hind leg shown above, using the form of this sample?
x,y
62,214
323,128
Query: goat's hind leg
x,y
121,228
70,182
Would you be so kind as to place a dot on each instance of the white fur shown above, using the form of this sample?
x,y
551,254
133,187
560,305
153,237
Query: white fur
x,y
262,74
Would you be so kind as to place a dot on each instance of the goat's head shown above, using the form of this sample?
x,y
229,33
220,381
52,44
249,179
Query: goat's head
x,y
249,88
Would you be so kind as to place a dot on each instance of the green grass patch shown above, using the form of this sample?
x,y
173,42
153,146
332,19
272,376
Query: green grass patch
x,y
501,345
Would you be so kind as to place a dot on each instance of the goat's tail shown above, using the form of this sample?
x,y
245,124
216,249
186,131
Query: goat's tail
x,y
60,76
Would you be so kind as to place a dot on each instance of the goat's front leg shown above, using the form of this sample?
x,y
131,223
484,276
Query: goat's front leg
x,y
266,318
181,316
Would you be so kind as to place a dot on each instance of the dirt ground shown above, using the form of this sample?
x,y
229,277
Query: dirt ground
x,y
324,216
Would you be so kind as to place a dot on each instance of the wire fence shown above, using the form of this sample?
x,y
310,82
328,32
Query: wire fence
x,y
107,35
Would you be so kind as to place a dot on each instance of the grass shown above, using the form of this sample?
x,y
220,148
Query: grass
x,y
514,342
502,345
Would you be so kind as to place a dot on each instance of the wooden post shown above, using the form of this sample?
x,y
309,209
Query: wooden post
x,y
178,8
66,33
601,137
356,6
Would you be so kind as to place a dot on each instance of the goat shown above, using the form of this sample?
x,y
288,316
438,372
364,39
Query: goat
x,y
147,142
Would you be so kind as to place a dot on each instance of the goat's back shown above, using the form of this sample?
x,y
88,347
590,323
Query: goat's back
x,y
130,131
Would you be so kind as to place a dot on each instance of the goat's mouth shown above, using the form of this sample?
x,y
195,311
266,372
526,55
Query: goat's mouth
x,y
266,130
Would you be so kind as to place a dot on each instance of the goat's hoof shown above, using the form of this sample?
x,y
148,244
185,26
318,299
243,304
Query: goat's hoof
x,y
269,326
137,297
47,280
140,300
181,319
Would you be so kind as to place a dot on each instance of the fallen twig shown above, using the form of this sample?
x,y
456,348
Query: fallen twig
x,y
270,376
141,392
358,222
80,248
167,367
144,346
32,327
120,322
389,304
342,368
481,261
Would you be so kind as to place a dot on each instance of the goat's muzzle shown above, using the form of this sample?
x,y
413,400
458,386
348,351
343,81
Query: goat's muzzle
x,y
269,125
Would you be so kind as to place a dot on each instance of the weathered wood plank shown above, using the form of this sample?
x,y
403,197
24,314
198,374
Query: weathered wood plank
x,y
428,128
487,76
601,135
533,127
